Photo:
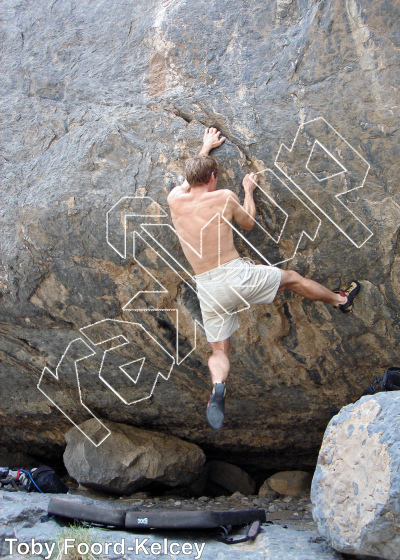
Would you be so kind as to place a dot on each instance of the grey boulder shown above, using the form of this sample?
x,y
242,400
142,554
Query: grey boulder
x,y
355,491
130,458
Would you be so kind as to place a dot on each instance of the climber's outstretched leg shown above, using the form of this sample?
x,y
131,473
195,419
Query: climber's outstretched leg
x,y
219,366
314,291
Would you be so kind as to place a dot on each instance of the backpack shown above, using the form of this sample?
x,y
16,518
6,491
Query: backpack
x,y
44,479
390,381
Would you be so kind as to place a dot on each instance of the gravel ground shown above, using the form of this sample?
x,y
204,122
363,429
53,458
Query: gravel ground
x,y
293,536
289,511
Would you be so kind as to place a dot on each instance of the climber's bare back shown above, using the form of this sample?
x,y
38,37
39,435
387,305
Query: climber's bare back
x,y
197,217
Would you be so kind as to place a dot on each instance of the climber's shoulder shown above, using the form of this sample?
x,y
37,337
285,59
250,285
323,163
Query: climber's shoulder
x,y
177,191
229,196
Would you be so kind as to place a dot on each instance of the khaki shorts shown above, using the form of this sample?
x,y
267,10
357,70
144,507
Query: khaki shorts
x,y
230,288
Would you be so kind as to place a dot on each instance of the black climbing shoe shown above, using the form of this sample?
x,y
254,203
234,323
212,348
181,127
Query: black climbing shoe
x,y
351,293
216,406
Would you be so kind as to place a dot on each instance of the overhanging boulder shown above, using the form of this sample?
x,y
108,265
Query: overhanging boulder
x,y
106,101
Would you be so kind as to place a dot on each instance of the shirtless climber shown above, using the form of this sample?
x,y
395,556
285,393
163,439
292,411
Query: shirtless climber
x,y
225,280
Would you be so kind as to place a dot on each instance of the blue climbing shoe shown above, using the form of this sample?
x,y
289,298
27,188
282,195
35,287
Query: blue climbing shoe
x,y
216,406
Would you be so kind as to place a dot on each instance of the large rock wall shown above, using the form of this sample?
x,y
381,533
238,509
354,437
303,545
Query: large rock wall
x,y
107,99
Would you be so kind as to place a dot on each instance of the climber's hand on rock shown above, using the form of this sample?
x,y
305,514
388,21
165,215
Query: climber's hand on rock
x,y
211,139
249,182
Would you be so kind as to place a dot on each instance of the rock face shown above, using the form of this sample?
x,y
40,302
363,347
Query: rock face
x,y
356,486
130,459
102,102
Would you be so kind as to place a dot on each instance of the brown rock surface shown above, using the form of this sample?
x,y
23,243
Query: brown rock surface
x,y
231,477
266,491
290,483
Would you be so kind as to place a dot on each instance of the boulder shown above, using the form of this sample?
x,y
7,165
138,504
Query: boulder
x,y
130,458
231,477
356,486
266,491
103,101
290,483
198,486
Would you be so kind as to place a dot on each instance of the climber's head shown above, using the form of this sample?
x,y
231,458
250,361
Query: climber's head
x,y
200,171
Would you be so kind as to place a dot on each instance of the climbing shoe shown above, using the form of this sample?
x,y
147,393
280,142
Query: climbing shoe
x,y
216,406
351,293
